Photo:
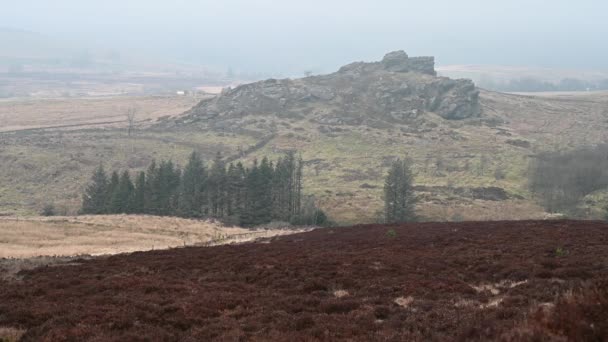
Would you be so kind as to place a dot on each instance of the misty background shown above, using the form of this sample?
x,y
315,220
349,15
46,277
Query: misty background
x,y
253,39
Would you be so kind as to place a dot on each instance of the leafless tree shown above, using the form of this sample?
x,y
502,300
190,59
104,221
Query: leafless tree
x,y
131,113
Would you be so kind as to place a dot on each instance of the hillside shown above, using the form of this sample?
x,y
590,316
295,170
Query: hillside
x,y
507,281
471,147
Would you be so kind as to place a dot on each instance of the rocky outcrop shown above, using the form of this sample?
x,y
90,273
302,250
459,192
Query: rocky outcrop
x,y
398,61
397,89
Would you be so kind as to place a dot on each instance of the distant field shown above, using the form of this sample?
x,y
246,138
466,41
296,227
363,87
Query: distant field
x,y
112,234
590,95
504,72
88,112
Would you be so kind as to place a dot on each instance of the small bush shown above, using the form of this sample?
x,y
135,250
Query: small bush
x,y
391,233
457,217
49,210
316,217
560,252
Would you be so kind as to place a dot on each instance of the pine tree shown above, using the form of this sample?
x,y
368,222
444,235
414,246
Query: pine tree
x,y
299,174
112,188
166,188
235,192
280,204
151,191
139,195
192,186
251,180
94,198
399,198
122,197
263,210
217,187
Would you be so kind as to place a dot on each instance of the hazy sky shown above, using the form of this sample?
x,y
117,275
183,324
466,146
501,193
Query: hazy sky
x,y
290,36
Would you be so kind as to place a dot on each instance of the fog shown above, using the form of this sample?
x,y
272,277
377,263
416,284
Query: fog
x,y
289,37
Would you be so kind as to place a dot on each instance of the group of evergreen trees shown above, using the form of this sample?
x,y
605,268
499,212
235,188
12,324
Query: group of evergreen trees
x,y
251,196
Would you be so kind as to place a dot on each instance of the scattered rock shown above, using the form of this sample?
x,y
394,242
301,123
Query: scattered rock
x,y
404,302
341,293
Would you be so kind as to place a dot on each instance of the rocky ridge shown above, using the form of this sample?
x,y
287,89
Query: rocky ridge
x,y
398,89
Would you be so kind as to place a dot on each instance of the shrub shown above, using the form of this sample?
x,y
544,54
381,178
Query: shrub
x,y
48,210
457,217
562,179
560,252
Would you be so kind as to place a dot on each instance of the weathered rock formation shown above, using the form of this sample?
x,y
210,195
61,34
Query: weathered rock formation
x,y
394,90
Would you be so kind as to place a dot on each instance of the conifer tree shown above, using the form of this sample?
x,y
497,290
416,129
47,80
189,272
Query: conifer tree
x,y
235,192
139,195
299,171
192,187
280,192
217,187
399,198
122,196
229,190
251,183
94,198
263,191
112,188
151,195
166,188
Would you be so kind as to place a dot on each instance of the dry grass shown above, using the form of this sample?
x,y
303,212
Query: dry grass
x,y
112,234
32,114
10,334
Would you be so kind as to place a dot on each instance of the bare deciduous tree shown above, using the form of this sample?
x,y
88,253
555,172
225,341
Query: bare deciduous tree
x,y
131,113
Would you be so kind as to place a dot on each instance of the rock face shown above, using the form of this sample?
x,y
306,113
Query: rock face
x,y
397,89
398,61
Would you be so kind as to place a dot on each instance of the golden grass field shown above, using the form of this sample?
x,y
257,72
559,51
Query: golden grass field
x,y
19,114
22,237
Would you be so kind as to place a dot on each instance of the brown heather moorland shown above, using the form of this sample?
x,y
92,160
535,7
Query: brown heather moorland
x,y
510,281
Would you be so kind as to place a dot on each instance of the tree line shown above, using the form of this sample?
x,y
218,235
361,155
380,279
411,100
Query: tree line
x,y
247,196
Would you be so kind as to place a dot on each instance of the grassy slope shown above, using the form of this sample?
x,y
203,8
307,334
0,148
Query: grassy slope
x,y
38,167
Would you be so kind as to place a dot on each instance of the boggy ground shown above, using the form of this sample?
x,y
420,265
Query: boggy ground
x,y
543,280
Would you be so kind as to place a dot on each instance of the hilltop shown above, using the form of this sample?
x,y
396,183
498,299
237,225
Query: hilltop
x,y
398,89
